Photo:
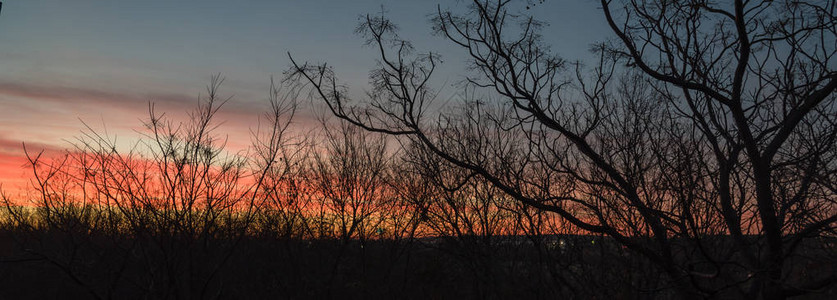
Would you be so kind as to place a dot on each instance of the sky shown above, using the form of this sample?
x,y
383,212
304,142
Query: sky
x,y
65,64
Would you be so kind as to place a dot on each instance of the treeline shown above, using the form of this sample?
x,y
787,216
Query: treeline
x,y
337,212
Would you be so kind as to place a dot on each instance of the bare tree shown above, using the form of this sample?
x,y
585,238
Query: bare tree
x,y
282,153
349,174
756,80
165,215
703,139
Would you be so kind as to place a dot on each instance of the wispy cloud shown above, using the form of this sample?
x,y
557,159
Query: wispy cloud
x,y
16,147
74,95
111,99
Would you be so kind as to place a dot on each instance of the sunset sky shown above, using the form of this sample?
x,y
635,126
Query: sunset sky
x,y
102,61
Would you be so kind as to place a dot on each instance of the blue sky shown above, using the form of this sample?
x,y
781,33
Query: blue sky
x,y
101,61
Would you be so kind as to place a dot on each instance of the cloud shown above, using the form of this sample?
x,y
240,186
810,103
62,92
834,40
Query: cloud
x,y
73,95
51,114
15,147
133,102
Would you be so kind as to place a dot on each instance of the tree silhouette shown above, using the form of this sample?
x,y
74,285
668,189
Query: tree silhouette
x,y
695,158
174,204
703,139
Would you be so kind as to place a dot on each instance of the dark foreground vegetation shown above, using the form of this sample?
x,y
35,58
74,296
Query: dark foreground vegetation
x,y
697,158
61,265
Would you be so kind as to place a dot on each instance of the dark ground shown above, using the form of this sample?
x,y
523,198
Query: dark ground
x,y
59,265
